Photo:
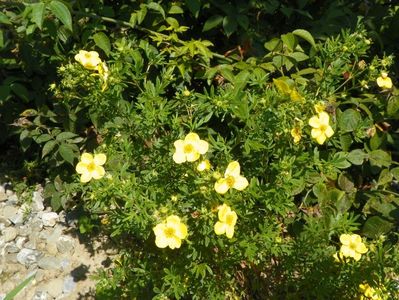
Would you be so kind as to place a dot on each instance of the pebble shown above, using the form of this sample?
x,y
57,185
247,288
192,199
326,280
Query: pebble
x,y
54,287
9,211
9,234
49,219
40,295
37,202
49,263
28,257
69,284
65,244
4,221
3,196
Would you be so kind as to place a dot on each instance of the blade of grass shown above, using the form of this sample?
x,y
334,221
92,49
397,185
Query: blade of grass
x,y
19,288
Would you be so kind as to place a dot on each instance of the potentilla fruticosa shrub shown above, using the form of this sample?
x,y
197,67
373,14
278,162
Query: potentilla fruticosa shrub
x,y
267,178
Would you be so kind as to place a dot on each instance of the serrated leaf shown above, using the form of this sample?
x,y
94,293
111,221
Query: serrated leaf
x,y
61,11
65,136
38,14
66,152
375,226
356,157
102,41
349,120
380,158
212,22
306,35
48,147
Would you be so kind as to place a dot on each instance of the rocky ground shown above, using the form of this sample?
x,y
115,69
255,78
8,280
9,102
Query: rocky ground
x,y
36,240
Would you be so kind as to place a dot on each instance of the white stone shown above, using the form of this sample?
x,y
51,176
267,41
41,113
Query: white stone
x,y
9,192
20,241
65,244
49,218
3,196
37,201
69,284
54,287
28,257
9,234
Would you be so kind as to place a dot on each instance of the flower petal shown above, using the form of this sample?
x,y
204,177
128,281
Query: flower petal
x,y
86,158
174,242
324,118
240,183
181,231
219,228
159,229
229,231
233,216
86,177
345,239
233,169
357,256
329,131
100,159
221,186
81,168
315,133
223,211
321,139
172,220
161,241
98,172
314,122
347,251
179,157
192,156
361,248
192,137
201,146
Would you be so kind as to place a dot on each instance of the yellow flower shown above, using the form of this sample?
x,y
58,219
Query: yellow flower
x,y
204,165
368,292
91,167
296,133
189,149
227,220
88,59
170,233
186,93
321,128
339,257
231,179
319,107
352,246
384,81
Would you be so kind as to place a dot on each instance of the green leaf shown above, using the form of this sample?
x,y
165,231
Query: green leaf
x,y
155,6
4,19
229,25
298,56
48,147
349,120
380,158
289,40
1,40
194,6
273,45
385,177
20,91
175,10
66,152
65,136
212,22
395,173
243,21
393,105
61,11
19,287
102,41
38,14
339,161
302,33
356,157
345,183
375,226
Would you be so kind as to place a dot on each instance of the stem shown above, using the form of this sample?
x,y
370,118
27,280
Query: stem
x,y
127,24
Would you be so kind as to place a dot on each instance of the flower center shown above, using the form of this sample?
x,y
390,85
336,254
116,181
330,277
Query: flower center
x,y
91,166
169,232
87,55
230,181
229,219
353,246
188,148
323,127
